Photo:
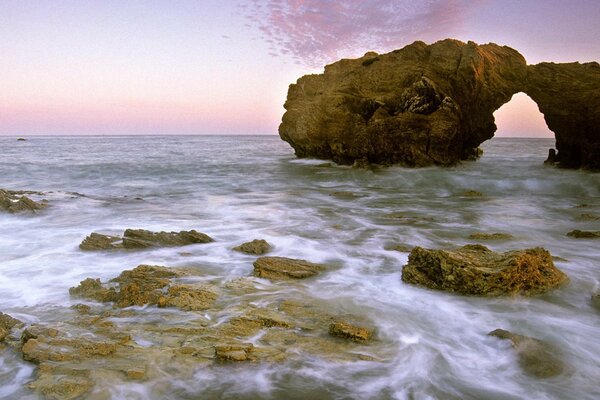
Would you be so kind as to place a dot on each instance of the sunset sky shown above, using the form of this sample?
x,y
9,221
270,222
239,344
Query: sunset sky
x,y
223,67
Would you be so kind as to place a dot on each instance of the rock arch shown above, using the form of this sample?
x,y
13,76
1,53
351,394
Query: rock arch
x,y
434,104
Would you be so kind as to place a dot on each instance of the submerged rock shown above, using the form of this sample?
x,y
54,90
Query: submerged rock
x,y
278,268
16,202
476,270
434,104
596,300
536,357
142,239
490,236
577,234
257,247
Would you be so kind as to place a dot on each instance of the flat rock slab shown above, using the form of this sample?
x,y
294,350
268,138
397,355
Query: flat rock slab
x,y
279,268
137,239
536,357
257,247
476,270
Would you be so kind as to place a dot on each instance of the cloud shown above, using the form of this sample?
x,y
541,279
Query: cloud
x,y
315,32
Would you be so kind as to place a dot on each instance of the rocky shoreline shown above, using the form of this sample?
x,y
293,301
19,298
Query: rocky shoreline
x,y
109,334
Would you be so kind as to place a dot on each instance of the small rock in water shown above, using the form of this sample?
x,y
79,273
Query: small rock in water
x,y
588,217
351,331
402,248
476,270
13,202
257,247
471,193
140,238
21,139
536,357
234,352
577,234
596,300
285,268
490,236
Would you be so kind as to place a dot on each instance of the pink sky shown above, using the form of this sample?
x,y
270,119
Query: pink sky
x,y
223,67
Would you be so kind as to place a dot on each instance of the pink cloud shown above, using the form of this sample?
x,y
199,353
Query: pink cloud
x,y
314,32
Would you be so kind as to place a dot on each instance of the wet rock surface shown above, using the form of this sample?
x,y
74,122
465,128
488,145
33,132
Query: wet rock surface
x,y
281,268
257,247
97,343
433,104
350,330
476,270
142,239
536,357
577,234
17,202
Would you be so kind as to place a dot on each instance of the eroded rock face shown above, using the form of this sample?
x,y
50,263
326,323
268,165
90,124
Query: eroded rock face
x,y
536,357
476,270
434,104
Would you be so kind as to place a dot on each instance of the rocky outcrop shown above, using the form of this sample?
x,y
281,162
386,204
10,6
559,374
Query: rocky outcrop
x,y
536,357
137,239
596,300
278,268
7,323
17,202
257,247
433,105
476,270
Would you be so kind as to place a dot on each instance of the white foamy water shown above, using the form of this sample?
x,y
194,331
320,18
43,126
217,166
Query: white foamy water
x,y
239,188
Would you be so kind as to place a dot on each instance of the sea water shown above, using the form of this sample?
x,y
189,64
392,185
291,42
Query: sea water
x,y
237,188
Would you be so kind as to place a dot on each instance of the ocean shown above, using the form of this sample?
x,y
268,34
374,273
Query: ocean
x,y
428,344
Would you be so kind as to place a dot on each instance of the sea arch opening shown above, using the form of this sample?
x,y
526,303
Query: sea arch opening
x,y
521,117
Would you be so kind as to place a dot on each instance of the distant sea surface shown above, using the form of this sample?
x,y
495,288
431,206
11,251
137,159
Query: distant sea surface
x,y
238,188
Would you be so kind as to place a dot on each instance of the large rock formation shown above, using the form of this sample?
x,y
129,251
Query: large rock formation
x,y
425,105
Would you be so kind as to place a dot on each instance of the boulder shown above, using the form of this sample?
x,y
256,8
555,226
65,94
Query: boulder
x,y
279,268
536,357
14,202
433,105
257,247
577,234
476,270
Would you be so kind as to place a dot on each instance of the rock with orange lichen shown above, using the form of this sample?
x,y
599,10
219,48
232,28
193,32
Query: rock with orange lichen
x,y
476,270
